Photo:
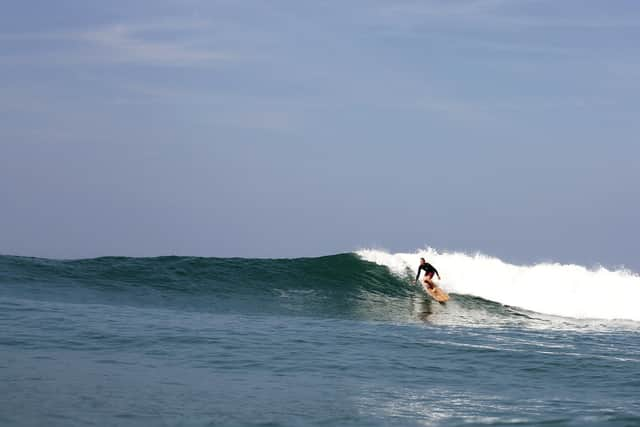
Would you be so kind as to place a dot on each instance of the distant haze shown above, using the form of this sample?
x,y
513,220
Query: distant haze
x,y
289,128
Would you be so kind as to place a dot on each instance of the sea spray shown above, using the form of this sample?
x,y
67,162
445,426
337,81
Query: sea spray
x,y
550,288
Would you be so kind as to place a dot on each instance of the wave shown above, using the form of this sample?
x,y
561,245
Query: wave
x,y
550,288
368,284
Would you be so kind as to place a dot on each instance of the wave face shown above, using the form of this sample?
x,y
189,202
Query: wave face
x,y
555,289
342,286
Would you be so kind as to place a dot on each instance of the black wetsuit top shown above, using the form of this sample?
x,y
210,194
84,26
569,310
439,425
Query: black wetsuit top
x,y
428,268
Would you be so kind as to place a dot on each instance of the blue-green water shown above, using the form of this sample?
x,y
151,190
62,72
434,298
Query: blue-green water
x,y
323,341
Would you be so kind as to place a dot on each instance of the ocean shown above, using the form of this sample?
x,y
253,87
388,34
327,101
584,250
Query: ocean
x,y
340,340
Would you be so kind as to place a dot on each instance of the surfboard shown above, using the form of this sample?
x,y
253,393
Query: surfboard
x,y
437,293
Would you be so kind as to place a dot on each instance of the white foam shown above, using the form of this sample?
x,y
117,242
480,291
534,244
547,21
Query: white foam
x,y
562,290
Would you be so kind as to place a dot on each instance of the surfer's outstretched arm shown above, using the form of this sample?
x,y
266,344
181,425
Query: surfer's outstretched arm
x,y
418,275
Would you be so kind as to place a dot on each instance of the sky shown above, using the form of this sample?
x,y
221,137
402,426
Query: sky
x,y
305,128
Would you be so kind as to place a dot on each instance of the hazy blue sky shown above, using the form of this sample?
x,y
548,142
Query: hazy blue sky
x,y
297,128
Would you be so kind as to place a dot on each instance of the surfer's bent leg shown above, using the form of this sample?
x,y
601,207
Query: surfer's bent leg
x,y
427,280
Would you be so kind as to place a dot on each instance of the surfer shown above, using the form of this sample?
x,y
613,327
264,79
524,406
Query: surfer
x,y
429,271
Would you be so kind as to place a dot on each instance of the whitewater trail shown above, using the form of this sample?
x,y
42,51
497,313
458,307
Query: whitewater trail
x,y
549,288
